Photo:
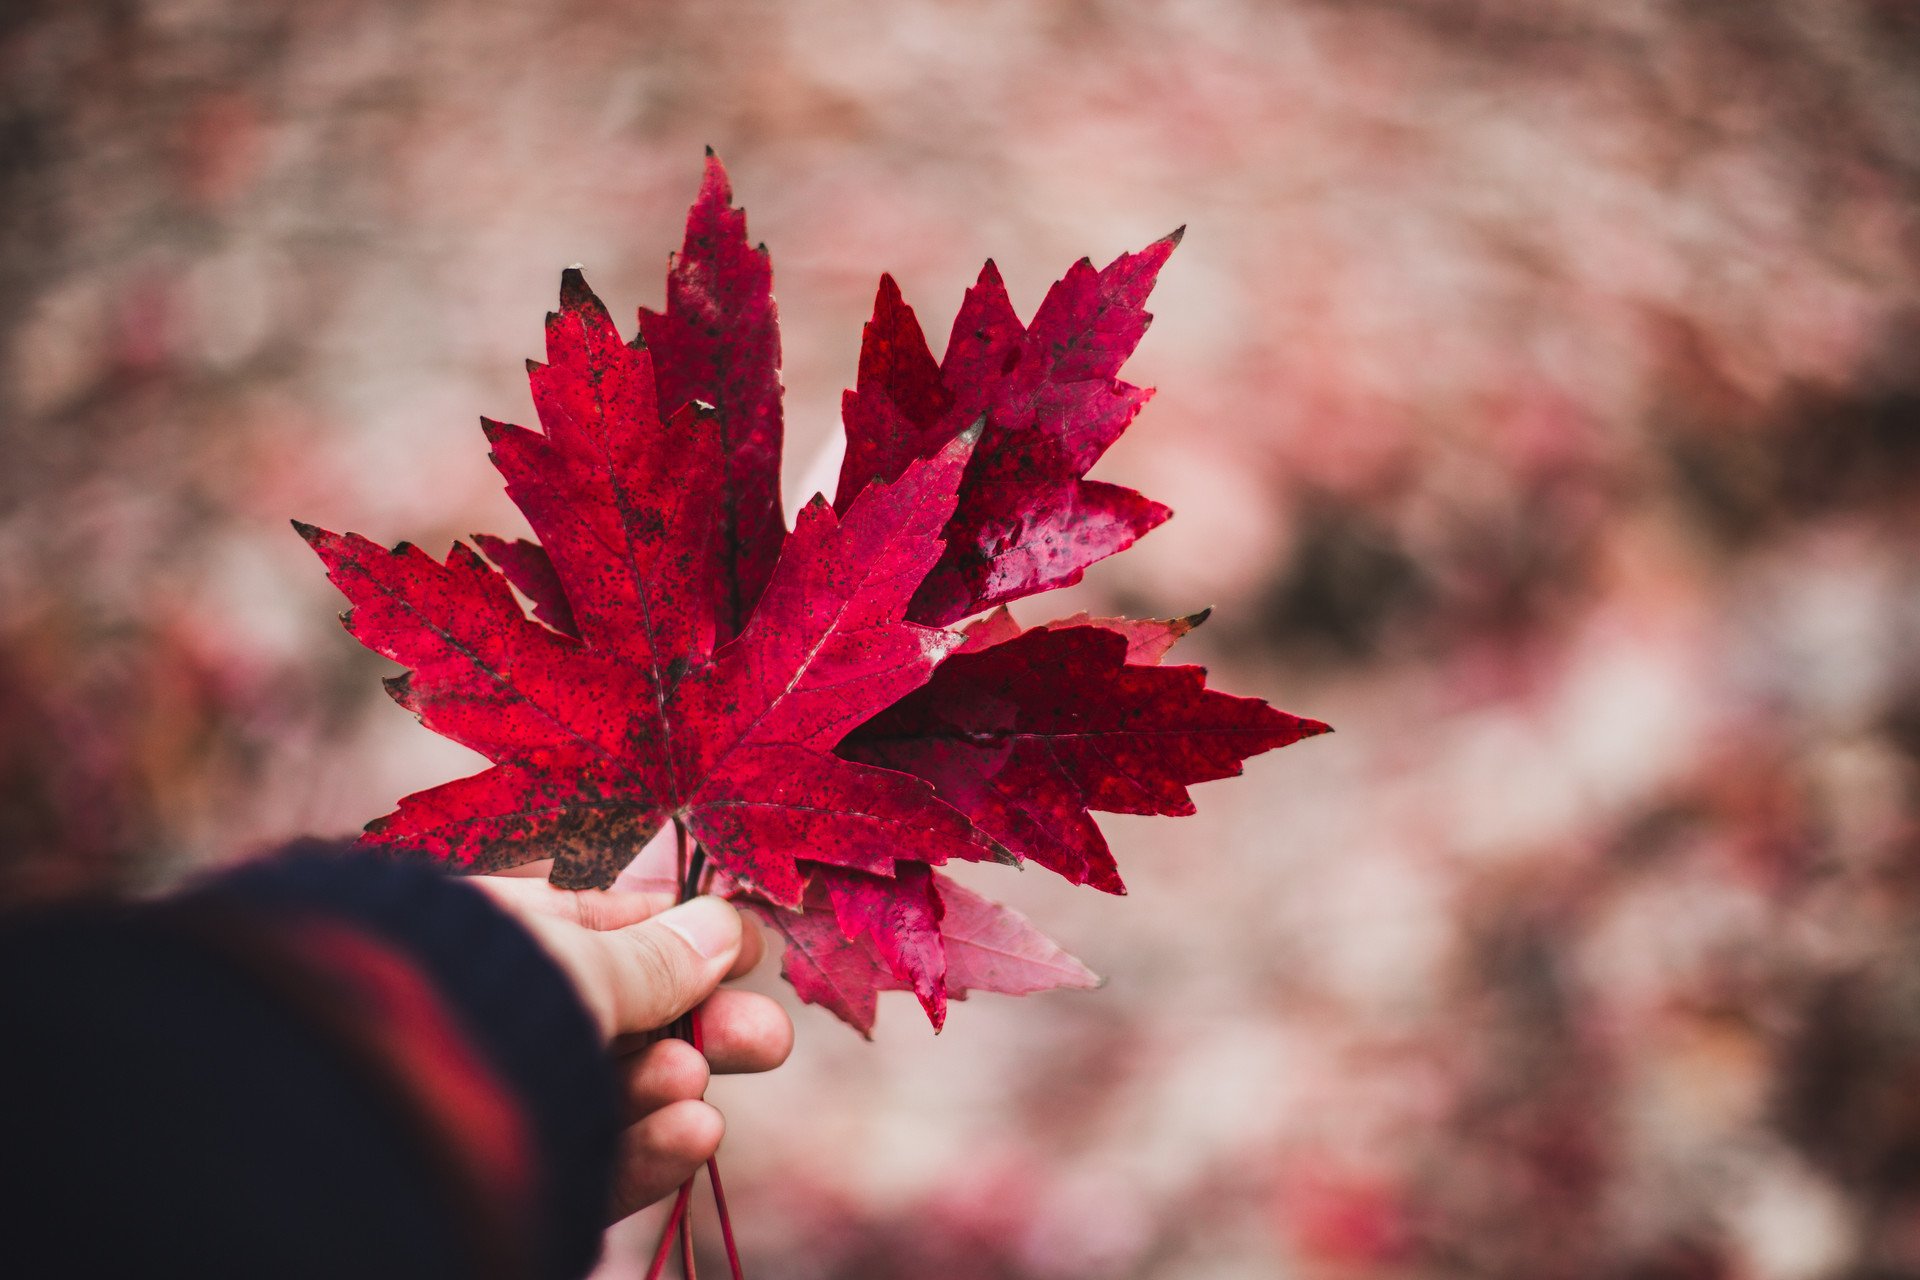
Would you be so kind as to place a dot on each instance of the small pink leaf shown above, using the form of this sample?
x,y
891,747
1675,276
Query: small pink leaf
x,y
834,954
993,948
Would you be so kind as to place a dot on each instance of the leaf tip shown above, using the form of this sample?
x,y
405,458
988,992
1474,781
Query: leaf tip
x,y
716,189
1173,238
310,532
574,293
1195,619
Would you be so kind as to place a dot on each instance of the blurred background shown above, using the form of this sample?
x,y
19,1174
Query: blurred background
x,y
1540,401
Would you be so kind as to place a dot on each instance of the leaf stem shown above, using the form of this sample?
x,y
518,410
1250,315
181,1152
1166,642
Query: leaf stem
x,y
726,1223
674,1220
680,855
691,867
690,864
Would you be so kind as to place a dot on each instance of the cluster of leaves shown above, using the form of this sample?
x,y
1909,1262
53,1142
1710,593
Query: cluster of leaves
x,y
801,701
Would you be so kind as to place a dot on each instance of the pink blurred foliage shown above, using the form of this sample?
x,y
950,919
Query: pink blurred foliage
x,y
1539,401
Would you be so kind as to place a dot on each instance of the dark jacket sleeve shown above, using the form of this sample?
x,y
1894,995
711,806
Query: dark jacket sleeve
x,y
319,1065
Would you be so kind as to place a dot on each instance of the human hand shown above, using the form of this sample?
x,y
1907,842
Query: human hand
x,y
639,962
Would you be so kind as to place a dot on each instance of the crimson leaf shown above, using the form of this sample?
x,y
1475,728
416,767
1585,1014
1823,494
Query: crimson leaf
x,y
985,946
1027,521
597,741
718,343
1026,736
790,698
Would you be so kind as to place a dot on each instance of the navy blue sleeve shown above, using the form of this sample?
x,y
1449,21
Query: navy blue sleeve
x,y
167,1113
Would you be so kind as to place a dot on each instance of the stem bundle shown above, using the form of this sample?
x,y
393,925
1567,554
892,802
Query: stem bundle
x,y
690,868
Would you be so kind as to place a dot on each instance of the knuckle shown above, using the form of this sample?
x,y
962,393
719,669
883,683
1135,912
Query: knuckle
x,y
657,962
589,911
664,965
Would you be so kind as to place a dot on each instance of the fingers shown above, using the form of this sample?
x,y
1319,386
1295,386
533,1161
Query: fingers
x,y
646,975
663,1073
739,1032
670,1131
670,963
753,946
598,909
661,1152
743,1031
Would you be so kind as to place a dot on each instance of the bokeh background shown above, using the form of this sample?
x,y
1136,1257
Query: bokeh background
x,y
1540,401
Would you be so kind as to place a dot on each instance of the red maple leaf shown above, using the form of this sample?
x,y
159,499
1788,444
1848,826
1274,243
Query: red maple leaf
x,y
598,740
794,700
718,343
984,946
1046,392
1027,735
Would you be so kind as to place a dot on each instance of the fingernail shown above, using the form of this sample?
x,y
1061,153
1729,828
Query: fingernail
x,y
709,925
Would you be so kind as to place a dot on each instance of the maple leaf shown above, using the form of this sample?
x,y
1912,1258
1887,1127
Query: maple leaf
x,y
792,699
983,947
1027,735
718,343
1026,520
598,740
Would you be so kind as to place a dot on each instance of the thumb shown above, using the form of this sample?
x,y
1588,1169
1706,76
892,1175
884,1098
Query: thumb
x,y
647,974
